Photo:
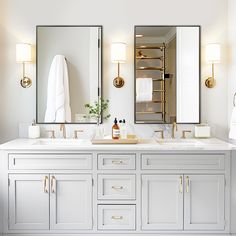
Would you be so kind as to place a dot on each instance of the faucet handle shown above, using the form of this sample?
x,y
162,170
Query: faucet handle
x,y
161,131
184,133
52,133
76,133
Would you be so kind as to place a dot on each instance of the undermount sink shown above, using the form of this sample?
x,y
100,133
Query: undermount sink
x,y
188,142
62,142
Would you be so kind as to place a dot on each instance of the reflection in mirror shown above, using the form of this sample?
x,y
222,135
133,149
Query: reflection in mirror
x,y
68,72
167,74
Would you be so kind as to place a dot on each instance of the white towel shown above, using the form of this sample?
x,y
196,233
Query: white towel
x,y
144,89
58,95
232,131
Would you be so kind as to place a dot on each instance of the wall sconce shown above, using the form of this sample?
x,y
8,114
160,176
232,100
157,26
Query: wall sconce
x,y
23,55
213,57
118,55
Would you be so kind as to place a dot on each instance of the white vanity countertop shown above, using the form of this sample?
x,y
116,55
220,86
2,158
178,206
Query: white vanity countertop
x,y
151,144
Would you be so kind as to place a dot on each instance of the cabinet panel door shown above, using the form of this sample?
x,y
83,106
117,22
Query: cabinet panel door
x,y
71,201
162,202
204,202
28,201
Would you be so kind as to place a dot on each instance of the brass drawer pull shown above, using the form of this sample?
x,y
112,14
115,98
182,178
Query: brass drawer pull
x,y
117,217
45,184
117,162
117,187
53,184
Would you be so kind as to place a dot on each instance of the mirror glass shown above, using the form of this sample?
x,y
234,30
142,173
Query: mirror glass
x,y
68,72
167,74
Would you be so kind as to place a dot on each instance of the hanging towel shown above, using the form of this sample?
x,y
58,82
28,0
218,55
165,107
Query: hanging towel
x,y
144,89
58,95
232,131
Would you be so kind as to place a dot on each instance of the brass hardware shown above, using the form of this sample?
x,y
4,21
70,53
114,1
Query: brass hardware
x,y
117,187
52,133
187,184
76,133
63,129
184,133
210,82
25,82
150,68
181,184
161,132
45,183
174,128
117,162
118,82
117,217
53,184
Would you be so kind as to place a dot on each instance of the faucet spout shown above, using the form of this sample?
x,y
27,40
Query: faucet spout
x,y
63,129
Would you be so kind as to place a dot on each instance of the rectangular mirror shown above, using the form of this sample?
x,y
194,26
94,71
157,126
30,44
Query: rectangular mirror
x,y
69,70
167,74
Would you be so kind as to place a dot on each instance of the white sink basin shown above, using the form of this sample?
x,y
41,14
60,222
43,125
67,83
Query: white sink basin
x,y
61,142
182,142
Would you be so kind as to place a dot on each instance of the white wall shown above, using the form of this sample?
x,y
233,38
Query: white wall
x,y
19,18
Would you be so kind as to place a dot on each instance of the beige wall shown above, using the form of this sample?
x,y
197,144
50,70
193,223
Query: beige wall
x,y
19,18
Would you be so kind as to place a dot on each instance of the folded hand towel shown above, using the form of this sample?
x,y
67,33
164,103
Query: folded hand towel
x,y
58,96
144,89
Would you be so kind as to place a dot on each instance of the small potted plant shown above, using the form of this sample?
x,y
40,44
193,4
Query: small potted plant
x,y
97,111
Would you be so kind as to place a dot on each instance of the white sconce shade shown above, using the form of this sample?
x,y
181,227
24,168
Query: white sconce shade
x,y
23,52
213,53
118,52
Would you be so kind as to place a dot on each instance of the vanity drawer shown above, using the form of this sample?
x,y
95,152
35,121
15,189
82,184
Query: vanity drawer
x,y
77,161
116,161
116,217
191,161
116,187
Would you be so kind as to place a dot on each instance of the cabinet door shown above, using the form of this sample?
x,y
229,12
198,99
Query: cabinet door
x,y
162,202
71,201
204,202
28,201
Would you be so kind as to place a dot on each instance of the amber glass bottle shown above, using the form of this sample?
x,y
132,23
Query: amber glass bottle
x,y
115,130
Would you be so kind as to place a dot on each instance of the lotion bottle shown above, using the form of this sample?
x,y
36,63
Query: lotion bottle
x,y
115,130
123,130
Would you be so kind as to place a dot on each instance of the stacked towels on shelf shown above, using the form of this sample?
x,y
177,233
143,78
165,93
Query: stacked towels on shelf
x,y
144,89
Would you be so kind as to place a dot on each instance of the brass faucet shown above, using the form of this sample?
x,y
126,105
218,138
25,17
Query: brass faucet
x,y
63,129
174,128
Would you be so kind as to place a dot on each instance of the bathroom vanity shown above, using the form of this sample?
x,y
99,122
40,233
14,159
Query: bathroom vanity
x,y
73,187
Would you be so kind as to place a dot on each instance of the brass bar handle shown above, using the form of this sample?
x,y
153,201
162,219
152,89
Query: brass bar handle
x,y
45,184
53,184
117,187
187,184
117,162
181,184
117,217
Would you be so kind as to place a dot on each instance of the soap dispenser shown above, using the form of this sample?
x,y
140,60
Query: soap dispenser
x,y
34,130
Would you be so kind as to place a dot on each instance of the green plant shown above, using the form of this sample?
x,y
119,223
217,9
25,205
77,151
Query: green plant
x,y
98,109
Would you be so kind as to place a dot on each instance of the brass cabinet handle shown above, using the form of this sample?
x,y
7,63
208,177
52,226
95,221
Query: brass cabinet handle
x,y
117,162
187,184
53,184
181,184
117,187
117,217
45,184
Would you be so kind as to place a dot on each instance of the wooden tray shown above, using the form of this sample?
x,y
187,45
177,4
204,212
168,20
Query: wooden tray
x,y
115,141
